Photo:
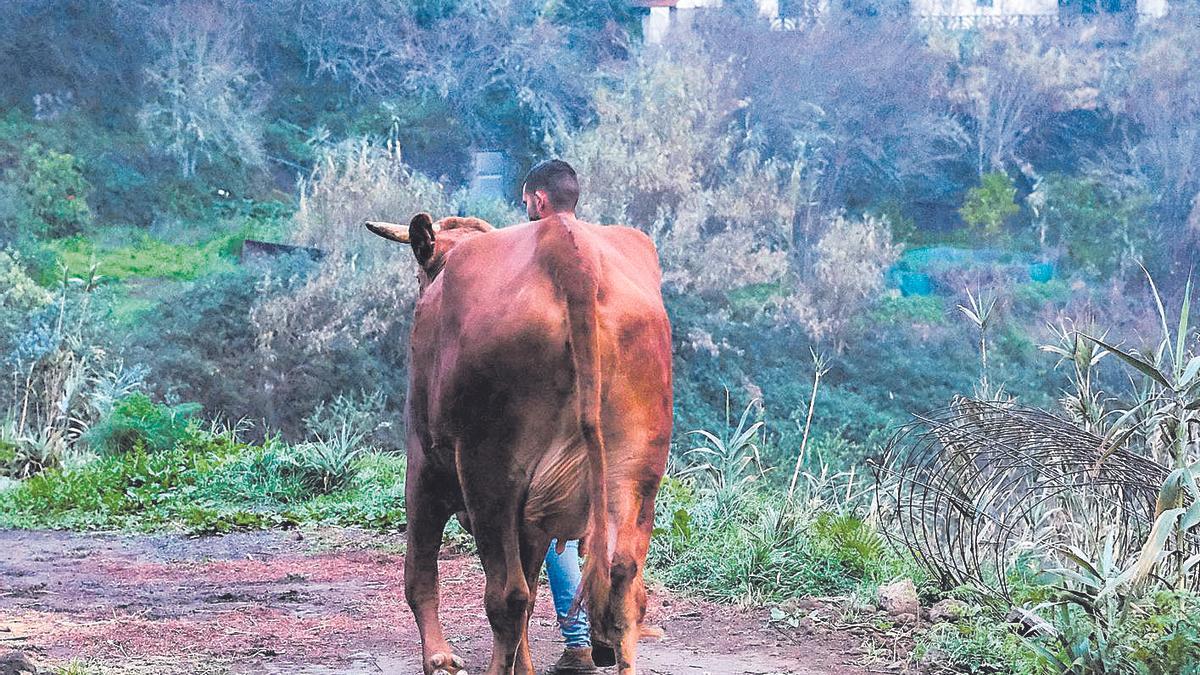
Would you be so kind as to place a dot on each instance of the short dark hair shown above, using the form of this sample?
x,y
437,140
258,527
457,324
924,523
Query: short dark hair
x,y
558,179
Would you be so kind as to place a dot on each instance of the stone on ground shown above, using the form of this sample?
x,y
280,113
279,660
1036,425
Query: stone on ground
x,y
900,598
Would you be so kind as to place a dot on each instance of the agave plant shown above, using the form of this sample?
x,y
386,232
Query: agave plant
x,y
329,463
730,462
30,453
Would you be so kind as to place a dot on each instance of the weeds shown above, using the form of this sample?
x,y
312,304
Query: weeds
x,y
725,533
209,481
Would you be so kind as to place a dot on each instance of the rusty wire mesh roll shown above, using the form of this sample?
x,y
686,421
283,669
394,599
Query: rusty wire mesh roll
x,y
976,489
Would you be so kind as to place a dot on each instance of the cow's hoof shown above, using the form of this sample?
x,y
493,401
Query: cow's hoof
x,y
447,664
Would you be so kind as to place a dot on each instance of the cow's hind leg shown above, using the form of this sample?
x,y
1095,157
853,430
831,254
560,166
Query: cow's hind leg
x,y
533,556
627,596
427,515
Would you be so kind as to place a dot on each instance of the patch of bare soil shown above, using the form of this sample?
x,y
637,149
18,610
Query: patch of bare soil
x,y
322,602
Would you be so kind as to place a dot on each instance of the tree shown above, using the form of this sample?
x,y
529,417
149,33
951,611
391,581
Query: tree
x,y
1011,81
861,97
1162,98
1099,225
668,155
504,68
990,204
55,192
852,257
90,52
206,99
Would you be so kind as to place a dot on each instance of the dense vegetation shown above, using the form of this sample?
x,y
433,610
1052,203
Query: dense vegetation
x,y
825,201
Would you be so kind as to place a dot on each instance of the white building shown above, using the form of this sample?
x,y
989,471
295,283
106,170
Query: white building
x,y
968,13
665,15
980,13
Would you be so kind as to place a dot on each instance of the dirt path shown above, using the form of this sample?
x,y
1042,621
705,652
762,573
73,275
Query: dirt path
x,y
322,602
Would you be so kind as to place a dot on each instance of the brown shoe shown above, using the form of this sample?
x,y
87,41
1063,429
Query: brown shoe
x,y
574,661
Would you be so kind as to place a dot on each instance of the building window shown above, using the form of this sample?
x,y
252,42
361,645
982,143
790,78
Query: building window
x,y
985,3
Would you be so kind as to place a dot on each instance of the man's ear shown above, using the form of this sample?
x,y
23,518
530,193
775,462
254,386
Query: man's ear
x,y
420,236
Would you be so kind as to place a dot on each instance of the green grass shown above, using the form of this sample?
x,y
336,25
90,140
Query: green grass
x,y
915,309
209,482
146,257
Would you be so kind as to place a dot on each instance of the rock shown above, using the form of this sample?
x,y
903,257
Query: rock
x,y
947,610
16,663
1030,624
905,618
900,598
799,605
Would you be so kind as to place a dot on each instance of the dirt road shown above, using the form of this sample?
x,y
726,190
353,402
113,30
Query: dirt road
x,y
319,602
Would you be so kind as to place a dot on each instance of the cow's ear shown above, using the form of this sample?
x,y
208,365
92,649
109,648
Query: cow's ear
x,y
420,236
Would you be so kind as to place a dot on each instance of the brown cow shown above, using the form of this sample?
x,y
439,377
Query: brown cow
x,y
540,404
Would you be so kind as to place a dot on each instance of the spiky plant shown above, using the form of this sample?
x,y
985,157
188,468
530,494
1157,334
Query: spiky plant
x,y
728,463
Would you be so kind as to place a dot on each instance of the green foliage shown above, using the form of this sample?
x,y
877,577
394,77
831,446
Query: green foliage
x,y
723,533
978,643
19,293
858,546
136,423
209,481
1030,298
26,454
1100,225
148,257
328,463
990,204
906,310
56,192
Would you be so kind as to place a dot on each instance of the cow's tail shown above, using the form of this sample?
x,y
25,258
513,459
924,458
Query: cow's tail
x,y
578,277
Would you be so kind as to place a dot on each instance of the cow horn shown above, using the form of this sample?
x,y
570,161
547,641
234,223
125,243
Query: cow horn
x,y
389,230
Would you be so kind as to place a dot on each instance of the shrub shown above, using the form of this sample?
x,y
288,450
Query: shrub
x,y
914,309
19,294
328,464
990,204
336,331
724,533
25,454
851,258
203,343
358,180
62,375
855,544
978,644
136,423
363,414
56,192
1100,226
667,156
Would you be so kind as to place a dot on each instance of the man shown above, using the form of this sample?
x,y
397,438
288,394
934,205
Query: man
x,y
552,187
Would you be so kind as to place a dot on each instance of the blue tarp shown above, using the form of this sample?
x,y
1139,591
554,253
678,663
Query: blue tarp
x,y
916,270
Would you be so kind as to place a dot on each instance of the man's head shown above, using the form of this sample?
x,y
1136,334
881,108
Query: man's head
x,y
551,187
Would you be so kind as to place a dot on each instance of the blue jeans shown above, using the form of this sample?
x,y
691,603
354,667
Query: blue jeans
x,y
563,571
